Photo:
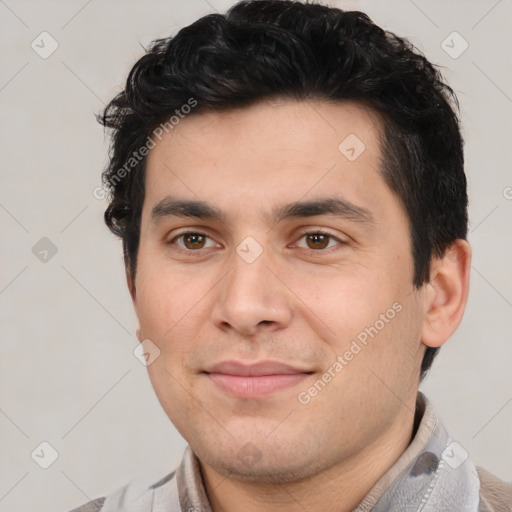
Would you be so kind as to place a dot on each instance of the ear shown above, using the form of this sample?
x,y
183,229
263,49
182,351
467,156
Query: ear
x,y
133,294
446,294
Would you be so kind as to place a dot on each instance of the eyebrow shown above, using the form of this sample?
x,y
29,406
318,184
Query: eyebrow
x,y
336,207
171,207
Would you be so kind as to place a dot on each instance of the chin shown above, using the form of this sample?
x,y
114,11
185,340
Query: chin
x,y
262,462
264,473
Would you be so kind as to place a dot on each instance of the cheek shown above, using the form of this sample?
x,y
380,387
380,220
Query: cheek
x,y
172,311
370,317
374,364
164,298
353,301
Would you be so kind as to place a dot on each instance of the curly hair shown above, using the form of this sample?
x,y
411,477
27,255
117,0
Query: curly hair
x,y
261,49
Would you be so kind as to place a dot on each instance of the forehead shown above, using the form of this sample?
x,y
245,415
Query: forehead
x,y
276,126
272,151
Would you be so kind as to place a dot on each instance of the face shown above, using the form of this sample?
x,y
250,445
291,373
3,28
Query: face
x,y
275,277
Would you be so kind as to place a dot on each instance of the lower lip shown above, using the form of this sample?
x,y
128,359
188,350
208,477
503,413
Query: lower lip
x,y
243,386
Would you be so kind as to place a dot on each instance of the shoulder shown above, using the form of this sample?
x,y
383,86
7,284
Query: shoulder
x,y
91,506
495,494
134,496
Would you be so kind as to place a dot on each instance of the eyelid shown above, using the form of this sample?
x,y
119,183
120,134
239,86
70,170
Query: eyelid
x,y
189,231
322,231
319,231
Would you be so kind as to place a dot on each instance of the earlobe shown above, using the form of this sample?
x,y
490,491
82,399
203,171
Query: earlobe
x,y
446,294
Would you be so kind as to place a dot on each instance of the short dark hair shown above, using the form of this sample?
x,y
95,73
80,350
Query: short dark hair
x,y
264,49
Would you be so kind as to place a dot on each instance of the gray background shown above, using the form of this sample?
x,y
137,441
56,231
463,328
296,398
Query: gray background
x,y
68,374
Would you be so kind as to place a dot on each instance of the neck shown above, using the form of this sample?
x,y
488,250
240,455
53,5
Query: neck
x,y
339,488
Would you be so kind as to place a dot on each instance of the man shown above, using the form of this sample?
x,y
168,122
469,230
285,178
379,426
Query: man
x,y
288,184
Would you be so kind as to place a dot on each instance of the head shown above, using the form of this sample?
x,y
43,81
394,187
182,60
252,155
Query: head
x,y
287,181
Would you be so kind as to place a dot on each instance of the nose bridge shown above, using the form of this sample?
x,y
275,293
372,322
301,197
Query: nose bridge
x,y
251,295
250,272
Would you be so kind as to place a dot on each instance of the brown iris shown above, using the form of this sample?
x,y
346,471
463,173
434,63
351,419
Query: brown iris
x,y
319,240
194,240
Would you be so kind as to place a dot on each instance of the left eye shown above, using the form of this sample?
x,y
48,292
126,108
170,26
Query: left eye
x,y
319,240
193,241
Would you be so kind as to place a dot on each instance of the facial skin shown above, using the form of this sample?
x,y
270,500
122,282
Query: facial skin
x,y
301,302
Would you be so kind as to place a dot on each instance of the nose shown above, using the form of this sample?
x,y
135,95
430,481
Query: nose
x,y
252,298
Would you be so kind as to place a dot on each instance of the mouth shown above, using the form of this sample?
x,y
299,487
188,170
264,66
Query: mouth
x,y
256,380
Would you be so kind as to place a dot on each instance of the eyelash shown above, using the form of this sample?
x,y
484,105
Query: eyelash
x,y
197,252
325,233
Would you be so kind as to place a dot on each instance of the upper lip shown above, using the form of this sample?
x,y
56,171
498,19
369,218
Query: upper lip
x,y
255,369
